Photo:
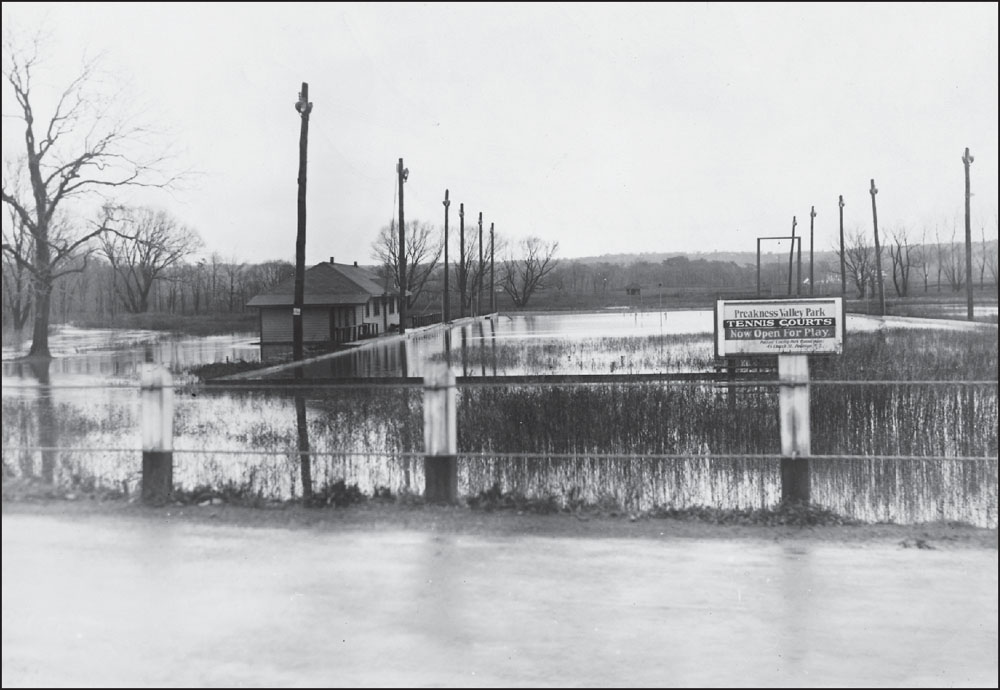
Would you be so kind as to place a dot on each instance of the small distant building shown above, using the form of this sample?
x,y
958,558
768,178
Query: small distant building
x,y
341,303
633,290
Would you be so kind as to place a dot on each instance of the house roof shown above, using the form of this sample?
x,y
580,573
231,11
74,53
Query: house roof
x,y
325,284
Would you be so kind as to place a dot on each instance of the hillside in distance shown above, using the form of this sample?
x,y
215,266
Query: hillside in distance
x,y
739,258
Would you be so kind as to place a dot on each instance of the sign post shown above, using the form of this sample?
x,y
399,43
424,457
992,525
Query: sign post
x,y
156,396
440,436
791,329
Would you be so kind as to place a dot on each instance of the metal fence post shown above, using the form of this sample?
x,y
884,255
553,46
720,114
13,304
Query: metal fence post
x,y
440,436
157,405
793,410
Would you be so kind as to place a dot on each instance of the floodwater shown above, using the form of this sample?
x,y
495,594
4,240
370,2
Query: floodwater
x,y
113,356
86,403
117,602
556,343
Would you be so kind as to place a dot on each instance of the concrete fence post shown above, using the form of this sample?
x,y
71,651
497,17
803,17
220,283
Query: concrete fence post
x,y
157,405
440,436
793,410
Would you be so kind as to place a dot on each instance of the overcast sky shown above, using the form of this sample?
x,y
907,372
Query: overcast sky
x,y
606,127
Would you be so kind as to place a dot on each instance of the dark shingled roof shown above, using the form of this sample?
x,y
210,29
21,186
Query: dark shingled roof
x,y
325,284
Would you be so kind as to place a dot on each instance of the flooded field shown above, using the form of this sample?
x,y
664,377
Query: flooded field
x,y
635,445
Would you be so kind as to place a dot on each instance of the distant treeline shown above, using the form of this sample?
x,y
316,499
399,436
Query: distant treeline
x,y
217,286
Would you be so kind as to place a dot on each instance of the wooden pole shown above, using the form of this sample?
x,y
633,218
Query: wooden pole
x,y
758,267
878,253
479,275
156,394
305,459
447,304
462,273
304,107
967,160
440,436
793,410
493,280
812,216
482,348
843,260
798,273
402,173
791,257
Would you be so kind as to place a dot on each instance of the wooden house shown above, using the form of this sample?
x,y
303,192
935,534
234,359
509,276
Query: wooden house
x,y
341,303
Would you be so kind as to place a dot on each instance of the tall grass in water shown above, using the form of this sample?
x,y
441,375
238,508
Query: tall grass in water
x,y
585,422
244,437
877,419
909,419
596,355
365,436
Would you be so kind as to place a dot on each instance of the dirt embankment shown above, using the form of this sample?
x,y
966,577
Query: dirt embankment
x,y
390,515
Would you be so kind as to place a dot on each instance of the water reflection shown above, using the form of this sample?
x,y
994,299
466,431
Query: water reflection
x,y
302,430
45,436
93,356
799,602
530,343
552,343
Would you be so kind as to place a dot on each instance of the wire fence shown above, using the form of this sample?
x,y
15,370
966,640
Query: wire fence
x,y
885,450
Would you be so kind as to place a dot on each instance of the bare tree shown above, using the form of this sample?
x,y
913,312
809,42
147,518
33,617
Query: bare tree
x,y
522,276
987,257
925,262
151,243
859,260
904,257
951,261
468,271
234,270
990,253
423,251
214,267
16,276
78,148
262,277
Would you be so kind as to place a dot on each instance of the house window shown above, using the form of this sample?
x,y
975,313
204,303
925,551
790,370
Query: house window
x,y
368,309
392,305
376,308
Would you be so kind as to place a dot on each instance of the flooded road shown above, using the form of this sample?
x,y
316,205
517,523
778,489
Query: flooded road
x,y
110,601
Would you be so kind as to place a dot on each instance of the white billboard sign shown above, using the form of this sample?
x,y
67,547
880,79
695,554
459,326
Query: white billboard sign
x,y
746,327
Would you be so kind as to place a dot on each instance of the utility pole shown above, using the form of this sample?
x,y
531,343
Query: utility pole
x,y
463,276
791,257
493,281
878,253
304,107
967,160
843,264
812,215
447,312
403,173
798,271
479,279
758,268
